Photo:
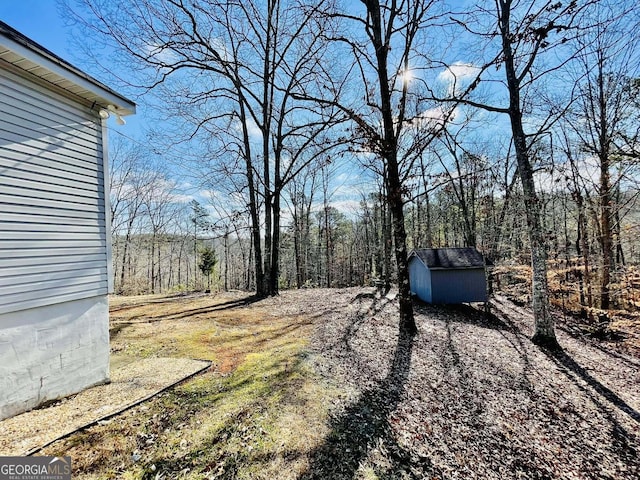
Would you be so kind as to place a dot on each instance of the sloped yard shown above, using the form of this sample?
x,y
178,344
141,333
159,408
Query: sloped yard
x,y
317,384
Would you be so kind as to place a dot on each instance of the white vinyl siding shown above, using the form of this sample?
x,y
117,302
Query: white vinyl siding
x,y
53,235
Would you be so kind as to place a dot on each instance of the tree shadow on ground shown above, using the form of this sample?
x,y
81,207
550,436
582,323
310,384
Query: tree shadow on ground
x,y
622,443
465,313
182,314
576,371
363,442
481,316
621,439
166,299
605,348
364,426
231,304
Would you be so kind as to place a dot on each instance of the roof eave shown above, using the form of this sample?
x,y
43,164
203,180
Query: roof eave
x,y
27,55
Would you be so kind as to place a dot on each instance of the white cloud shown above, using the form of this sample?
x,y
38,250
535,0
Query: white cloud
x,y
456,75
556,178
350,208
219,45
435,117
255,134
181,198
160,53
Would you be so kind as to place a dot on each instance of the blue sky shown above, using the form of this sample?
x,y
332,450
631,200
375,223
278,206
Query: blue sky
x,y
41,21
38,20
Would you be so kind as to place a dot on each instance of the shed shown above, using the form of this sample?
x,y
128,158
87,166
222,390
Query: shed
x,y
55,245
448,275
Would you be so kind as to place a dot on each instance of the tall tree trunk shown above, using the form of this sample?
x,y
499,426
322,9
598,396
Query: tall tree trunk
x,y
584,246
250,270
396,204
253,200
152,257
416,225
428,234
159,269
327,241
125,252
297,234
306,239
169,276
544,323
226,261
604,142
275,245
606,242
393,183
268,229
386,235
267,108
616,229
195,255
499,224
180,252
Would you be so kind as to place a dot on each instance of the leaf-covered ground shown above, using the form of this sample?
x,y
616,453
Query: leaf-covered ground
x,y
617,328
316,384
472,397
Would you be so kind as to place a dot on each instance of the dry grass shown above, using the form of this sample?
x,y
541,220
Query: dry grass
x,y
256,414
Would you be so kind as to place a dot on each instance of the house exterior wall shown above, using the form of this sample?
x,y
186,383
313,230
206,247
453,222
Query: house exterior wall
x,y
52,351
53,235
459,286
54,245
420,280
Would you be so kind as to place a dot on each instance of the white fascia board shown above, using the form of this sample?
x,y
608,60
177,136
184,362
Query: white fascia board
x,y
103,95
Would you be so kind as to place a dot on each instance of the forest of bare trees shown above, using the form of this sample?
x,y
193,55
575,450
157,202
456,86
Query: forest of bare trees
x,y
311,143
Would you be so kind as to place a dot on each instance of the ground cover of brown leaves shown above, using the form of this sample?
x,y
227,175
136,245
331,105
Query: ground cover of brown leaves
x,y
472,397
317,384
618,327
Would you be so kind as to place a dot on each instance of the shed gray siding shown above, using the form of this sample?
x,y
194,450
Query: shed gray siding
x,y
420,279
53,239
459,286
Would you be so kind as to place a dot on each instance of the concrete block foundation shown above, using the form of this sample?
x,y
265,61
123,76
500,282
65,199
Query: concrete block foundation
x,y
51,352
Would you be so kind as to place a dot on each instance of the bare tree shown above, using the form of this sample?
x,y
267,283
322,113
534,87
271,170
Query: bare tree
x,y
302,191
133,177
224,72
606,123
382,41
464,172
518,36
159,207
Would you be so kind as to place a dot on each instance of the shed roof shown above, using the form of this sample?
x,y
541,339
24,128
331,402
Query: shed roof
x,y
450,258
19,51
